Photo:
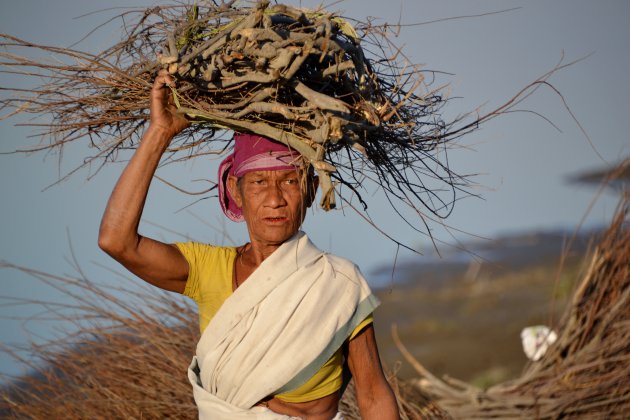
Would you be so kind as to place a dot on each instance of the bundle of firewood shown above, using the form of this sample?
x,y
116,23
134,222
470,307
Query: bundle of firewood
x,y
295,76
335,89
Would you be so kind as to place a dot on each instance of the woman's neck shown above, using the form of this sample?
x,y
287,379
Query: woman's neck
x,y
254,253
248,258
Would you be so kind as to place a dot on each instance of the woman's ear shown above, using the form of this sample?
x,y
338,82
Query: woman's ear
x,y
234,191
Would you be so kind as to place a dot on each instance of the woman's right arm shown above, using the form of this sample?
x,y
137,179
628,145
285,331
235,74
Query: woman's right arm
x,y
155,262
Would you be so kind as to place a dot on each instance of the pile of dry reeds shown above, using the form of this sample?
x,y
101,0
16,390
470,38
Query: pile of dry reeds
x,y
125,355
586,373
334,88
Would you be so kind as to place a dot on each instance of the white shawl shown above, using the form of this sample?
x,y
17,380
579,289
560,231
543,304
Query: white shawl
x,y
277,330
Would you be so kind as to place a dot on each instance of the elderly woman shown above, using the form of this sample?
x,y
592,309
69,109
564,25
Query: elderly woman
x,y
280,319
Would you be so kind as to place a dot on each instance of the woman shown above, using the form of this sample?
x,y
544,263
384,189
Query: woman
x,y
277,314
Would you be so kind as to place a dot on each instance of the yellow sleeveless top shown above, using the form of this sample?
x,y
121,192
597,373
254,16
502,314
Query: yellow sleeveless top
x,y
210,284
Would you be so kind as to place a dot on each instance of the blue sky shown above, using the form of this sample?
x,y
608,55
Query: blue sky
x,y
522,161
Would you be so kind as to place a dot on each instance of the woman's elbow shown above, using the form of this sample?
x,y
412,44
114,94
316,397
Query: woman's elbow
x,y
106,244
111,244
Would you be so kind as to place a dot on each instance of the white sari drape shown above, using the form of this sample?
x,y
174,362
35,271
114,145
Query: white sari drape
x,y
277,329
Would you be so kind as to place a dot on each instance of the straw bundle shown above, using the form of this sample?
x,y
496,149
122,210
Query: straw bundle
x,y
585,374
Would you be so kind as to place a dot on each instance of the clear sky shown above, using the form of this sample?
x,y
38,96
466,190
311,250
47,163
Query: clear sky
x,y
522,161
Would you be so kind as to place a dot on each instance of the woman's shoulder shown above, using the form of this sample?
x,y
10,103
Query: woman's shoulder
x,y
340,265
209,269
341,262
199,251
344,268
204,247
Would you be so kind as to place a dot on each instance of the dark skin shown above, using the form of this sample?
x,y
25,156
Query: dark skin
x,y
274,205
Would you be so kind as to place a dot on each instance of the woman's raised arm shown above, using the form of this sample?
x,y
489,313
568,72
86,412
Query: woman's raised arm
x,y
155,262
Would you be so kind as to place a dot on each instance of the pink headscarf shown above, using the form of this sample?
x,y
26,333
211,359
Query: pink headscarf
x,y
252,153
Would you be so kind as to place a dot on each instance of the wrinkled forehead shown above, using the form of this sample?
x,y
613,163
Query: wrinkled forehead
x,y
276,174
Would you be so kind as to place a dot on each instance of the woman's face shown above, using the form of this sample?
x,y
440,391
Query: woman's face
x,y
273,203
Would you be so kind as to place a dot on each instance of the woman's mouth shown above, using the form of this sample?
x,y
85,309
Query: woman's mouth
x,y
275,219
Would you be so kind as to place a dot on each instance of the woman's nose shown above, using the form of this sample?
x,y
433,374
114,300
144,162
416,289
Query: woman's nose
x,y
275,195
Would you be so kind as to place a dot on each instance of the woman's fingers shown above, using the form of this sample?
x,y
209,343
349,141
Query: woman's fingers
x,y
164,79
162,84
163,111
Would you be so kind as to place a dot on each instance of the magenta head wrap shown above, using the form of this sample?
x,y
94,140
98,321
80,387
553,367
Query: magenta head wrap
x,y
252,153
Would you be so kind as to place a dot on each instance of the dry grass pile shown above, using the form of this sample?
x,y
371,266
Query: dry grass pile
x,y
125,355
586,373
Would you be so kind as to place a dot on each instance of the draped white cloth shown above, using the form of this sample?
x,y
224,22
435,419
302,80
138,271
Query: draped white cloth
x,y
276,330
